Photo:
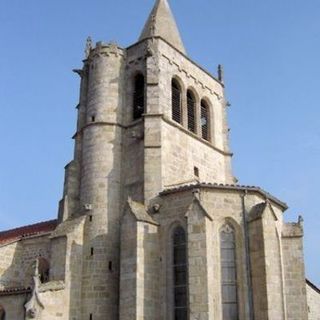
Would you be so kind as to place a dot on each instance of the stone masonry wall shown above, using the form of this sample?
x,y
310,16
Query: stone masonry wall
x,y
101,182
199,259
273,265
148,305
16,266
182,152
313,303
182,149
294,275
128,274
10,270
173,65
222,207
14,306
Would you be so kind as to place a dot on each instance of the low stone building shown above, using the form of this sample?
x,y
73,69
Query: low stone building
x,y
151,224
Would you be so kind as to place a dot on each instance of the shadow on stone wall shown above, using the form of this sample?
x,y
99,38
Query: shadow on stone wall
x,y
151,272
21,269
75,281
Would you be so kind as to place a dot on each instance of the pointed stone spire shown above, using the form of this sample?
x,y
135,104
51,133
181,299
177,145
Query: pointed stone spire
x,y
161,23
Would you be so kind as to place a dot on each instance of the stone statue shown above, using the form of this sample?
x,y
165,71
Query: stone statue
x,y
34,306
89,46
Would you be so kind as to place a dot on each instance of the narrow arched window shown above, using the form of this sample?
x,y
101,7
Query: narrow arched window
x,y
176,101
205,122
228,273
180,272
2,313
191,107
138,96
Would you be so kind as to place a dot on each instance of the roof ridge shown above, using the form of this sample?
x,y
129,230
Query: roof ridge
x,y
28,226
13,235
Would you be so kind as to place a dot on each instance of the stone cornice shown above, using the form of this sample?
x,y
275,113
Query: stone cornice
x,y
164,118
184,55
227,187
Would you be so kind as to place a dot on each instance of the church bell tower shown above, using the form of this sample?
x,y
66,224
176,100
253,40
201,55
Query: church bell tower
x,y
148,119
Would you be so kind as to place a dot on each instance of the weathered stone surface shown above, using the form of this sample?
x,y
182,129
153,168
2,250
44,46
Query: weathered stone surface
x,y
313,295
110,258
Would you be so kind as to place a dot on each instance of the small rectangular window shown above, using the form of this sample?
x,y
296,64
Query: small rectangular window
x,y
138,97
196,172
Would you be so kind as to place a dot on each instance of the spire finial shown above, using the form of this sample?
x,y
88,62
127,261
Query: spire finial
x,y
221,73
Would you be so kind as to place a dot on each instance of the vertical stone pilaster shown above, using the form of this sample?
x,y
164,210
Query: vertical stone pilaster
x,y
266,264
294,273
200,291
128,268
139,284
152,126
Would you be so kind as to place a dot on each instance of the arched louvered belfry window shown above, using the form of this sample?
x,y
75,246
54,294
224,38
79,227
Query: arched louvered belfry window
x,y
176,101
228,273
205,121
191,107
2,313
180,274
138,96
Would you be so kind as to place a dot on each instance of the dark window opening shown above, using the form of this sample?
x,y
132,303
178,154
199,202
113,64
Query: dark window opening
x,y
138,97
196,171
44,270
228,274
91,252
91,317
110,266
180,274
205,121
2,313
90,218
176,101
191,106
93,119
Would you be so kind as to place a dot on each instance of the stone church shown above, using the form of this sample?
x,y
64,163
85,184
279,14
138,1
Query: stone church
x,y
152,225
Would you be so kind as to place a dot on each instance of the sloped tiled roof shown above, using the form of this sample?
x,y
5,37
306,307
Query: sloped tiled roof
x,y
26,231
14,291
313,286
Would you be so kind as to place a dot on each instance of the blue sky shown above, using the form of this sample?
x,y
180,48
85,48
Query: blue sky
x,y
270,50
